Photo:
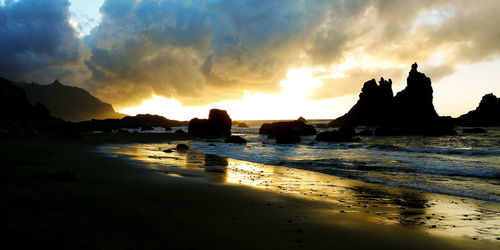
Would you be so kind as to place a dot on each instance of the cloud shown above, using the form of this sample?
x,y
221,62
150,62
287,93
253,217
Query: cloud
x,y
200,52
196,52
37,42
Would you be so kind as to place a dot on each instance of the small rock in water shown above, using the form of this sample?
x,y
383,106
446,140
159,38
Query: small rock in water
x,y
235,139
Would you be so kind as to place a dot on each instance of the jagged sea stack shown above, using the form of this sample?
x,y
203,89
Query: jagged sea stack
x,y
409,112
413,105
373,107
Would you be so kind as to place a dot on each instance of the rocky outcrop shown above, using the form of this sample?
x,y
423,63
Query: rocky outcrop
x,y
287,132
217,125
411,111
277,127
373,107
68,103
486,114
413,105
143,121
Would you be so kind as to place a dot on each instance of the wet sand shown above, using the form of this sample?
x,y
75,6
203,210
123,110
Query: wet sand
x,y
128,194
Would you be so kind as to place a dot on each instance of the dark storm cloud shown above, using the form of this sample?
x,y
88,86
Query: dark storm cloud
x,y
200,52
37,42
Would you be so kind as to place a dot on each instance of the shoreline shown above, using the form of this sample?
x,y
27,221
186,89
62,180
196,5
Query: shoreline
x,y
434,213
117,203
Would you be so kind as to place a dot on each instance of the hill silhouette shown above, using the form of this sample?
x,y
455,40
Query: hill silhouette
x,y
69,103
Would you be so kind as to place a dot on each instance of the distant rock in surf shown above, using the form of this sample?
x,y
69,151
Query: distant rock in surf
x,y
486,114
302,119
182,147
277,127
217,125
287,132
142,121
240,124
236,139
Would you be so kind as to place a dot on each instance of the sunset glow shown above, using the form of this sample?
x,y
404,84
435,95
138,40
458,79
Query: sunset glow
x,y
290,103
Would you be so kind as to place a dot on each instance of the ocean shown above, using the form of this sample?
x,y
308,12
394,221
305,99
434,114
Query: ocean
x,y
464,165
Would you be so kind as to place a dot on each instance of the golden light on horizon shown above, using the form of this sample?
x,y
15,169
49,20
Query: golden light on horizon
x,y
290,103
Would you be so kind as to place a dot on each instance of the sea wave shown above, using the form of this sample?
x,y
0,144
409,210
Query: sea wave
x,y
428,150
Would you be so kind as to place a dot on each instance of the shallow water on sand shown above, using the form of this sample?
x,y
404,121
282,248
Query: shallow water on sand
x,y
465,165
434,213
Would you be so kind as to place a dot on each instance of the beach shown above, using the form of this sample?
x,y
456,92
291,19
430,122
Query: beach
x,y
118,197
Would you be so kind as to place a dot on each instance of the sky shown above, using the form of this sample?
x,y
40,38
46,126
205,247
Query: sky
x,y
258,59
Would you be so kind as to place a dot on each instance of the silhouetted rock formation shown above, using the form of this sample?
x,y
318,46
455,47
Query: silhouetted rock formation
x,y
287,132
276,127
218,124
143,121
69,103
413,105
147,120
373,107
486,114
410,112
235,139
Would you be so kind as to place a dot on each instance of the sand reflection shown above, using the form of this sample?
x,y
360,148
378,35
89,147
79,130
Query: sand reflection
x,y
434,213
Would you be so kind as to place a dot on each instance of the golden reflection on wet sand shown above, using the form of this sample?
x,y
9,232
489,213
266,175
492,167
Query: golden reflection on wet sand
x,y
435,213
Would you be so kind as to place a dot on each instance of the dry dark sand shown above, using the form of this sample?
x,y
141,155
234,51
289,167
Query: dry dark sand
x,y
126,203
